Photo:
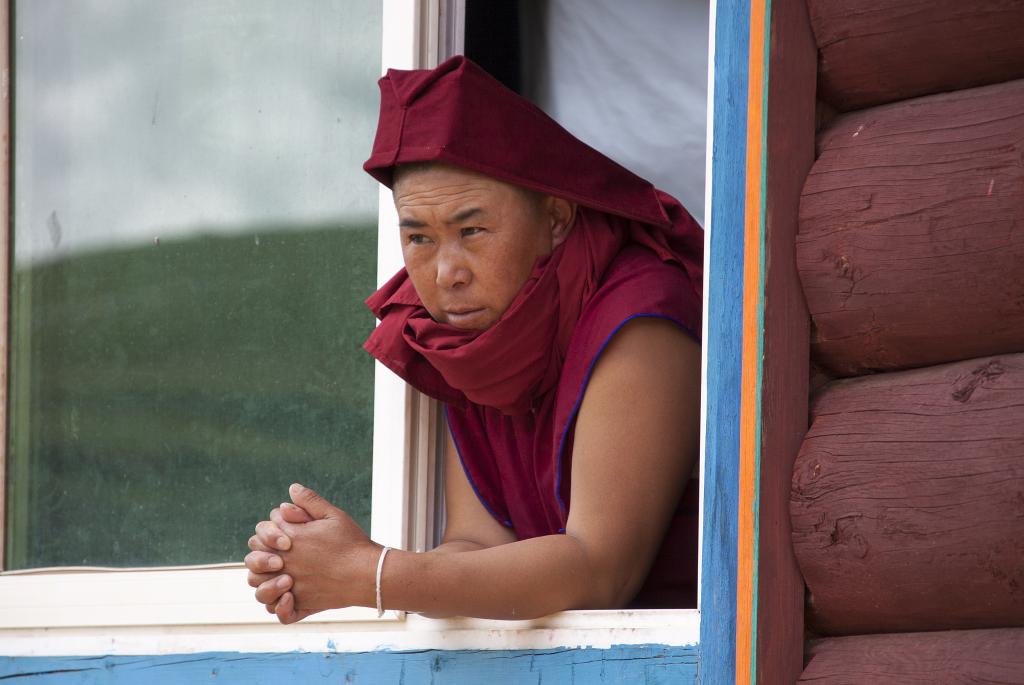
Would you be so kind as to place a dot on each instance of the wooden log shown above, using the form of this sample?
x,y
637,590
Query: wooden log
x,y
942,658
823,115
789,147
911,242
908,500
877,51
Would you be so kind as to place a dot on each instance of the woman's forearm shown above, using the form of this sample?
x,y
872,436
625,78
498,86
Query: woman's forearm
x,y
453,546
519,580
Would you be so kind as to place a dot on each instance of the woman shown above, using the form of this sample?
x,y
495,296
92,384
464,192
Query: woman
x,y
551,300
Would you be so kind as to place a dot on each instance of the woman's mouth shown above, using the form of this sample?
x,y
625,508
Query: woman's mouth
x,y
464,318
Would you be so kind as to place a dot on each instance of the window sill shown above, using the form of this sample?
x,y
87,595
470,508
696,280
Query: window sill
x,y
212,609
207,595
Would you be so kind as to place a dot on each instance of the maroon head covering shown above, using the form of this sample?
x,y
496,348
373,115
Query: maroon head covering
x,y
458,114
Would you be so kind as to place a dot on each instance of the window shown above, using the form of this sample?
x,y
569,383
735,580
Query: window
x,y
193,238
292,57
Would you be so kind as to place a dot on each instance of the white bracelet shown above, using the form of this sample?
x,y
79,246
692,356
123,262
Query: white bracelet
x,y
380,567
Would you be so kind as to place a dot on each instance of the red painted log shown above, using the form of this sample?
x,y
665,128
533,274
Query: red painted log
x,y
908,500
911,242
823,115
877,51
789,141
946,658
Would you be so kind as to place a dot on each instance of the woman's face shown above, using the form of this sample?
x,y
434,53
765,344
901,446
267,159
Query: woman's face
x,y
470,241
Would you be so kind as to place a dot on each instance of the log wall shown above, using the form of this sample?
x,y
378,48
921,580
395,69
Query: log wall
x,y
878,51
911,243
908,500
947,658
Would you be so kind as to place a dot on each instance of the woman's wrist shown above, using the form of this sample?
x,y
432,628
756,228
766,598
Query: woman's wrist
x,y
352,577
406,581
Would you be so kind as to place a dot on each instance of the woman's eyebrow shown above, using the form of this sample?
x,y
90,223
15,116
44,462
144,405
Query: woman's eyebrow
x,y
464,214
457,218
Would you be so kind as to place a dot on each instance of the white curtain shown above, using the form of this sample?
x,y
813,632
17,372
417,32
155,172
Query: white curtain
x,y
628,78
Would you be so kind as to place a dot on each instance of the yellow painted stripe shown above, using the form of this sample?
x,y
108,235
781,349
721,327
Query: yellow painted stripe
x,y
749,410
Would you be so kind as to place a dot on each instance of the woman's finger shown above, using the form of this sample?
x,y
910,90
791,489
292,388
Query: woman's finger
x,y
257,579
271,536
285,609
256,546
263,562
271,591
278,519
292,513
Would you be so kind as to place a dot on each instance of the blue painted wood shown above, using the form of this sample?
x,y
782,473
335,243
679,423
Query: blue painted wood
x,y
646,664
724,343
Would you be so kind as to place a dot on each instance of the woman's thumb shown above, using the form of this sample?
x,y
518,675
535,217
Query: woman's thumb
x,y
314,504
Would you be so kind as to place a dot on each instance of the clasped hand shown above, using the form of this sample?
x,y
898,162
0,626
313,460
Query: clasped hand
x,y
310,556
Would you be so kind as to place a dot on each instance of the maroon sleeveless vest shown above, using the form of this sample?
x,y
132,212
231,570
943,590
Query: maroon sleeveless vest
x,y
520,465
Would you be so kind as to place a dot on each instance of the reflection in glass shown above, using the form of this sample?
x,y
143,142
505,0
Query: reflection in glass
x,y
193,239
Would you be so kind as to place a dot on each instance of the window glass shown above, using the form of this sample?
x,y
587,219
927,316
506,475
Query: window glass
x,y
193,240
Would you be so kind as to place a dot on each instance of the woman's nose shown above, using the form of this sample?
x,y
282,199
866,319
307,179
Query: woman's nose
x,y
452,270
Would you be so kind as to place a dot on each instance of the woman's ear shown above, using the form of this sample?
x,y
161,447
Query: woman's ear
x,y
562,214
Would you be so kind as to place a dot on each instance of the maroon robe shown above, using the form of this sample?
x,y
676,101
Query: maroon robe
x,y
512,391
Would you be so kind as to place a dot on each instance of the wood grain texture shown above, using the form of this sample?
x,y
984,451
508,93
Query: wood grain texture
x,y
908,500
649,664
946,658
823,115
877,51
784,379
724,334
911,243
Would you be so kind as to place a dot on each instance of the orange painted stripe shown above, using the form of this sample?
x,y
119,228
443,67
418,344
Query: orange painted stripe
x,y
749,410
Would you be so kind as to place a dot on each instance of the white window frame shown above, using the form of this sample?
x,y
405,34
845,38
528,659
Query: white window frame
x,y
85,611
217,593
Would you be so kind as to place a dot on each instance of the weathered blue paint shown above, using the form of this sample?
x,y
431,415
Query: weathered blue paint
x,y
724,343
641,664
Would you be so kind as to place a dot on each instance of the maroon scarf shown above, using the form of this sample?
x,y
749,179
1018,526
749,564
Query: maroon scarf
x,y
458,114
519,358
